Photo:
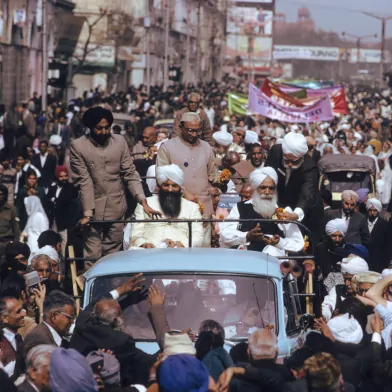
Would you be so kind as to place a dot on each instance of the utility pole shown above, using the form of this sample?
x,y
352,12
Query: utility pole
x,y
166,62
198,42
44,56
382,58
147,26
358,44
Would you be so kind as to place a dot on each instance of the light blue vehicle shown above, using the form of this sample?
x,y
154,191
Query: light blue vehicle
x,y
242,290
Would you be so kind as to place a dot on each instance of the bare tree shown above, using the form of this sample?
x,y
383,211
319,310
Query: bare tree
x,y
92,42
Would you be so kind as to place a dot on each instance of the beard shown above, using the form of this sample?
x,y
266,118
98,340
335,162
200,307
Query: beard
x,y
265,205
170,203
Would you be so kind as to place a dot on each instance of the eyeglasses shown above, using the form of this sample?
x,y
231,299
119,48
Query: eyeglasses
x,y
265,187
190,130
20,259
68,316
294,163
106,128
193,102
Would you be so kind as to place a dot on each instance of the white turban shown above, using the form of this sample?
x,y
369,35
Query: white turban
x,y
295,143
223,138
251,137
336,225
346,126
294,128
354,265
55,140
259,175
350,195
47,251
374,203
386,272
170,172
346,329
324,126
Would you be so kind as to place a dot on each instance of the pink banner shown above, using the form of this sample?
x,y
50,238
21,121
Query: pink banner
x,y
259,103
336,94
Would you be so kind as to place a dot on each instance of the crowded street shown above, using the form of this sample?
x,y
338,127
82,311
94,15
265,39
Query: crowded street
x,y
214,226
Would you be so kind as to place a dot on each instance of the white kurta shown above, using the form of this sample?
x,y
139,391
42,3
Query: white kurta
x,y
230,235
155,233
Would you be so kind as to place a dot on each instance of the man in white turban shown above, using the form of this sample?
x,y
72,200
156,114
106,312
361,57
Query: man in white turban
x,y
352,265
357,228
172,205
298,182
380,246
263,205
224,143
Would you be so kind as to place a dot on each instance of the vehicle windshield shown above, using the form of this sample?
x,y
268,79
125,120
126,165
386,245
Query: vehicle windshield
x,y
234,301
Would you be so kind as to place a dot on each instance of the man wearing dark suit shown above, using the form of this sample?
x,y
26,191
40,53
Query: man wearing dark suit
x,y
46,164
11,319
380,233
63,204
313,153
358,231
297,183
59,315
63,130
101,323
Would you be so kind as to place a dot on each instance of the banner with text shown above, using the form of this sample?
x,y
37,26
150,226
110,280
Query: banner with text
x,y
260,103
336,94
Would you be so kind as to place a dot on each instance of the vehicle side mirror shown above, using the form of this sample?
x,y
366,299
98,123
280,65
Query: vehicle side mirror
x,y
306,321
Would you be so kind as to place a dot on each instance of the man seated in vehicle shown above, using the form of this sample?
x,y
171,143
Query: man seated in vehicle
x,y
172,205
263,205
357,227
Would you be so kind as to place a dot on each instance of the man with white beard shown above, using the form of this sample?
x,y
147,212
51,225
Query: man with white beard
x,y
256,236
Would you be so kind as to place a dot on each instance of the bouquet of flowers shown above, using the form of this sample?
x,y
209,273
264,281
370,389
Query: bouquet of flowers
x,y
224,177
278,213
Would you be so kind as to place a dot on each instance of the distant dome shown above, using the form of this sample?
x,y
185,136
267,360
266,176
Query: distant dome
x,y
303,13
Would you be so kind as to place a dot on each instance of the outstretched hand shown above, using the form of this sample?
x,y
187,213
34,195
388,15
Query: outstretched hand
x,y
133,284
149,211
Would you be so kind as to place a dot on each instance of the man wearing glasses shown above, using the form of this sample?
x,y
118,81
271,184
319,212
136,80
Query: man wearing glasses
x,y
257,236
193,106
197,160
298,183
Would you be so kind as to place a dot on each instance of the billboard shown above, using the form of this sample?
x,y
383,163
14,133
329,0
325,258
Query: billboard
x,y
292,52
249,20
258,48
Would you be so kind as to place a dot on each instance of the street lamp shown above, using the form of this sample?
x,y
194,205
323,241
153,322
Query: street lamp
x,y
358,39
383,23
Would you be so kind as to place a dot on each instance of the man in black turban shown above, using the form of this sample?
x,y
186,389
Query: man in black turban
x,y
101,166
16,259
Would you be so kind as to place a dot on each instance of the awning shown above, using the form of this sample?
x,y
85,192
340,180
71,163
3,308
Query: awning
x,y
69,30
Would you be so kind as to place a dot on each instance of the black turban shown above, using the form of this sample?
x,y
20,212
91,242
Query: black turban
x,y
93,116
15,248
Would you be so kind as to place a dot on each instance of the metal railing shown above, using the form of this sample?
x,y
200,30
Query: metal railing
x,y
189,222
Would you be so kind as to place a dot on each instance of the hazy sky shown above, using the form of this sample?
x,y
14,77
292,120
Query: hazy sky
x,y
341,15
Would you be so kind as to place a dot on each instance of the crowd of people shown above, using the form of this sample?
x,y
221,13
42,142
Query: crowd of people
x,y
71,176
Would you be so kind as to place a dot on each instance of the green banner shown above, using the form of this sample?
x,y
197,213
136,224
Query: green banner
x,y
300,94
238,104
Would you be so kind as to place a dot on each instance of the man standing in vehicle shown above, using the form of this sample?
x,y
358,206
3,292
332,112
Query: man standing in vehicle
x,y
100,163
197,160
194,107
298,181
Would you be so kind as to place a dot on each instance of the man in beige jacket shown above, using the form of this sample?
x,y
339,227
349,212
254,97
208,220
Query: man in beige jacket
x,y
101,167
